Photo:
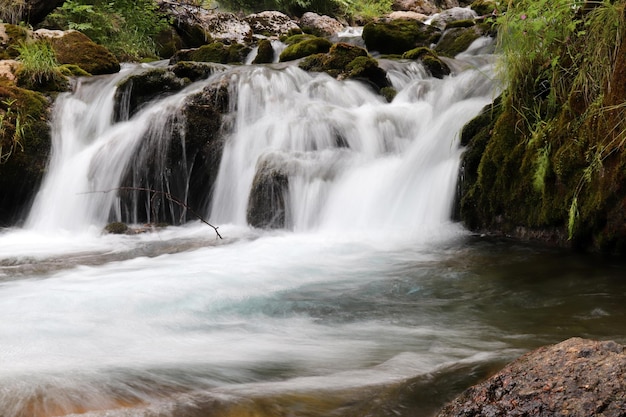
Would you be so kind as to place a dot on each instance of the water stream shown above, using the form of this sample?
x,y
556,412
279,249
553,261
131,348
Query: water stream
x,y
370,301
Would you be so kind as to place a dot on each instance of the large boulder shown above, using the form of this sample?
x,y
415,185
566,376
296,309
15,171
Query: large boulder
x,y
457,40
320,25
304,45
197,25
576,378
441,20
73,47
399,36
430,60
271,24
216,52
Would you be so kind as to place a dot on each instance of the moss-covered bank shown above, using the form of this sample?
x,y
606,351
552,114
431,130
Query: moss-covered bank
x,y
549,160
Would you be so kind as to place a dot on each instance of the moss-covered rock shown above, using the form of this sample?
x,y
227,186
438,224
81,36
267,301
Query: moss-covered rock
x,y
305,48
25,146
265,53
189,71
167,42
345,61
399,36
76,48
50,81
72,70
458,39
116,228
214,52
483,7
431,61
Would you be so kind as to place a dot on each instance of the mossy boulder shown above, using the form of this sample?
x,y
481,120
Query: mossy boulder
x,y
399,36
214,52
25,146
345,61
116,228
265,53
189,71
76,48
305,48
431,61
51,81
483,7
457,40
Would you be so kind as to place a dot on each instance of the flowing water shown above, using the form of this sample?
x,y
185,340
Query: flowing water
x,y
370,301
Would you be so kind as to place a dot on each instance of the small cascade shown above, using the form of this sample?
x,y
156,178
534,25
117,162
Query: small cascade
x,y
301,151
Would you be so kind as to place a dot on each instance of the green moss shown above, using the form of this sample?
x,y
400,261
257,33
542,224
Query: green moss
x,y
435,66
16,35
25,142
305,48
192,71
297,38
72,70
399,36
214,52
116,228
466,23
237,53
76,48
483,7
457,40
265,53
389,93
366,68
53,81
417,53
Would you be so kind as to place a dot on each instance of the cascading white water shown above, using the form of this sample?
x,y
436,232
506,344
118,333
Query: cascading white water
x,y
334,306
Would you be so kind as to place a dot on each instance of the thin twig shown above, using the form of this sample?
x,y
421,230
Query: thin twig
x,y
169,197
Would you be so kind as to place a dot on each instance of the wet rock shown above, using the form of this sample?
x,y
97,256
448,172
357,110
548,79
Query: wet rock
x,y
265,53
183,167
194,71
320,25
116,228
305,48
271,24
577,378
430,60
266,204
345,61
457,40
440,20
399,36
72,47
139,89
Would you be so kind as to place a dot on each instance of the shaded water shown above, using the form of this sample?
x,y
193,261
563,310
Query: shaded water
x,y
372,302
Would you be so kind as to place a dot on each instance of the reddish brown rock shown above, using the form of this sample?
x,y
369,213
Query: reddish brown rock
x,y
575,378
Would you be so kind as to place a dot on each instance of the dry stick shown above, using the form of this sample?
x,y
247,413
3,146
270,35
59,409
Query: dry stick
x,y
170,198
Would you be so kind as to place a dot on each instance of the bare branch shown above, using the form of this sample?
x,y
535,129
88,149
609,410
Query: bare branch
x,y
169,197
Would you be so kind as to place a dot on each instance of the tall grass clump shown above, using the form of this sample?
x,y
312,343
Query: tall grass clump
x,y
12,11
40,68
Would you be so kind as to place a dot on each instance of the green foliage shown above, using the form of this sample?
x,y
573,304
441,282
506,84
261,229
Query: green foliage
x,y
11,130
542,165
126,27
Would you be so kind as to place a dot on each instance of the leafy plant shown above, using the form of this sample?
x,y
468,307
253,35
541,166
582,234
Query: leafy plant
x,y
126,27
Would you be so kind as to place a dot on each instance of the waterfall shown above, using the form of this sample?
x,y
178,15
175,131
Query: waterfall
x,y
304,150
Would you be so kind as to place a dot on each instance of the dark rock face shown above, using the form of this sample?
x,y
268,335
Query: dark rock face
x,y
577,378
37,10
399,36
265,53
266,204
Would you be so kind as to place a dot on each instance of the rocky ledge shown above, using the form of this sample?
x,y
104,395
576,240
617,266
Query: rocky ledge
x,y
576,378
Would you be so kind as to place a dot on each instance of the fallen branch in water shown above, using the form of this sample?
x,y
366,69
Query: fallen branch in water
x,y
169,197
